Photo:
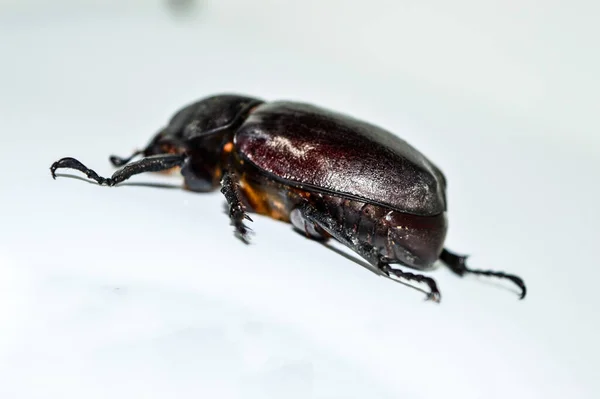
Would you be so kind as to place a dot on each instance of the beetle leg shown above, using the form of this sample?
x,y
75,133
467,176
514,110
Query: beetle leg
x,y
237,214
120,161
458,264
349,238
434,293
150,164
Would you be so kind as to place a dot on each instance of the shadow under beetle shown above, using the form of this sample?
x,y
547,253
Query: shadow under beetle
x,y
326,173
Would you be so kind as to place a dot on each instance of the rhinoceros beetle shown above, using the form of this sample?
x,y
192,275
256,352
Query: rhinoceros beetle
x,y
328,174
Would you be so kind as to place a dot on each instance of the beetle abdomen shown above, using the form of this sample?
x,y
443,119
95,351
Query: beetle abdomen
x,y
305,146
412,240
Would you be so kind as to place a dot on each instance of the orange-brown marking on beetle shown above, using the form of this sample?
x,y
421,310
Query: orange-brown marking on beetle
x,y
253,196
270,199
169,171
228,147
169,149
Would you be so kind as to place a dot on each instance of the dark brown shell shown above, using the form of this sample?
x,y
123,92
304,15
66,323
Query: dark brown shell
x,y
324,151
203,117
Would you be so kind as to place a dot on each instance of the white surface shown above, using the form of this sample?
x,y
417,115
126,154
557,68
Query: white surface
x,y
139,292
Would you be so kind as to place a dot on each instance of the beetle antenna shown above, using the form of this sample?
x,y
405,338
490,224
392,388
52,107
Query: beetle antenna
x,y
458,264
118,161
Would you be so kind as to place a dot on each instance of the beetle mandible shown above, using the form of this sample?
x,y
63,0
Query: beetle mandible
x,y
328,174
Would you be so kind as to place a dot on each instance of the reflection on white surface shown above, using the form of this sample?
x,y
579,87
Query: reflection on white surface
x,y
136,291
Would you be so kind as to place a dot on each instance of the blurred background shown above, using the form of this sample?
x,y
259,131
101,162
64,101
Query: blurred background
x,y
144,292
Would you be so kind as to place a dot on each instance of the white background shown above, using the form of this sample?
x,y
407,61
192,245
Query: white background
x,y
143,292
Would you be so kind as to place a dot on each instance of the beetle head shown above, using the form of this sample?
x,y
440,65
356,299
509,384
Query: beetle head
x,y
202,130
162,143
202,169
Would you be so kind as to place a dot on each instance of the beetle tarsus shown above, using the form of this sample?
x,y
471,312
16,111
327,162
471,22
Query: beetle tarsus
x,y
151,164
348,237
458,264
433,295
237,212
72,163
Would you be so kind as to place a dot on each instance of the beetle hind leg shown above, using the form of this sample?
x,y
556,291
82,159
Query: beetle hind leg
x,y
434,293
327,223
458,264
307,227
237,213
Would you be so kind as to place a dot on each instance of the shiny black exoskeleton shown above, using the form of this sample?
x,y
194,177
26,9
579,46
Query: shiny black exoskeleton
x,y
328,174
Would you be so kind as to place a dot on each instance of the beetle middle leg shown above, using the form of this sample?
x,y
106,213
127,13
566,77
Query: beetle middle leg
x,y
458,264
349,238
155,163
237,214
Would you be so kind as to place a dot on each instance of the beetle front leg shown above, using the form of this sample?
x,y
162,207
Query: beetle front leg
x,y
237,214
155,163
458,264
120,161
349,238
